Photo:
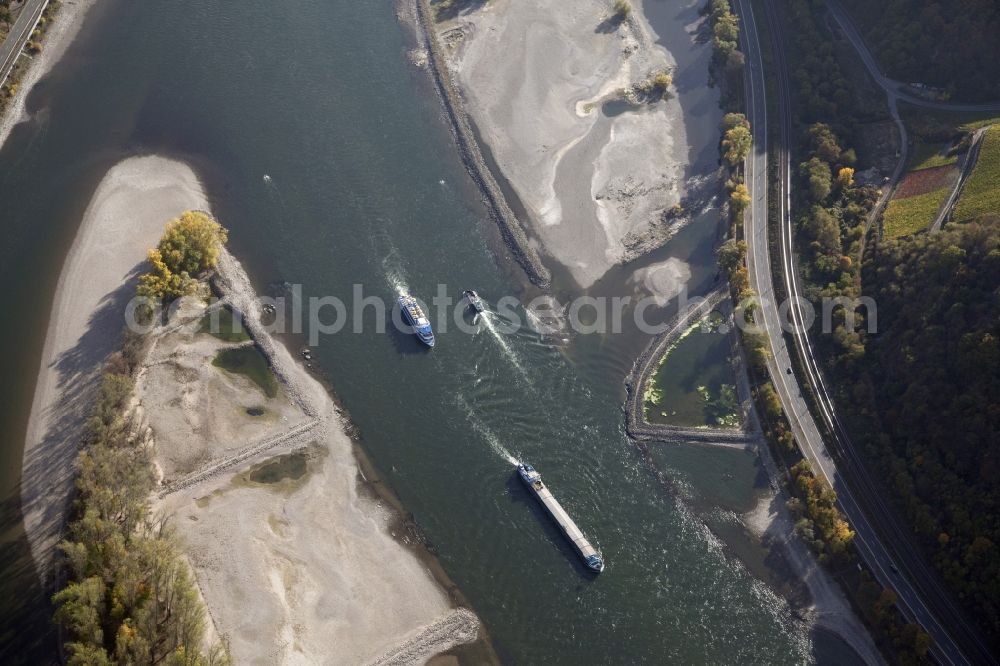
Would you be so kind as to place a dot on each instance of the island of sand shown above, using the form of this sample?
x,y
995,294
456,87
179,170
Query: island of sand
x,y
603,177
297,562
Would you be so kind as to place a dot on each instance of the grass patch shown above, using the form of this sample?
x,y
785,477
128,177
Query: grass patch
x,y
223,324
981,193
911,215
249,362
930,155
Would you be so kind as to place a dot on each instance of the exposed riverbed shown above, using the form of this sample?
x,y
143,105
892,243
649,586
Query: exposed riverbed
x,y
364,187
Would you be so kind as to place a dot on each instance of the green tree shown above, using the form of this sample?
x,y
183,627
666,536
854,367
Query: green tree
x,y
823,230
818,178
80,608
731,120
823,143
622,9
732,254
772,404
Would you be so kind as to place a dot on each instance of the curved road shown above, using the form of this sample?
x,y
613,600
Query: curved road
x,y
895,92
888,567
893,88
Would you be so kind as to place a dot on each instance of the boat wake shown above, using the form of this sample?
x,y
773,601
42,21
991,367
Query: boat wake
x,y
487,319
392,262
397,282
479,426
274,194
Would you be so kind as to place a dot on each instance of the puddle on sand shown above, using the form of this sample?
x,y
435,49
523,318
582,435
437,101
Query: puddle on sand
x,y
291,466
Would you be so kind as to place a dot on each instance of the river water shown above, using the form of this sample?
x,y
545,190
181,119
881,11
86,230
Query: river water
x,y
364,187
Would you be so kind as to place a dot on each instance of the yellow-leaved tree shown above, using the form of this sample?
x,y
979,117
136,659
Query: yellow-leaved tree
x,y
736,144
739,199
190,246
845,177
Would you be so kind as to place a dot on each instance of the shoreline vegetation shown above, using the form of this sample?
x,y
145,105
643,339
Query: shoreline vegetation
x,y
808,524
129,595
811,503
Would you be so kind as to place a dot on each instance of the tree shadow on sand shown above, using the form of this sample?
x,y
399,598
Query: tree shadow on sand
x,y
449,9
48,467
610,24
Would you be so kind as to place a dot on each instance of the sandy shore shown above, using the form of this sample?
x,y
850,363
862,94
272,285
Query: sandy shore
x,y
124,219
57,39
302,566
598,177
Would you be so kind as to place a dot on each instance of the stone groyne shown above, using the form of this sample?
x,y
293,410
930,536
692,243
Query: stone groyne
x,y
471,154
638,380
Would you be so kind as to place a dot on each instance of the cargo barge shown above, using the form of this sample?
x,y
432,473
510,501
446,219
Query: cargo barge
x,y
533,480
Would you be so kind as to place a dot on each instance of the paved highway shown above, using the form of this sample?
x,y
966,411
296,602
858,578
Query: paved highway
x,y
19,33
886,566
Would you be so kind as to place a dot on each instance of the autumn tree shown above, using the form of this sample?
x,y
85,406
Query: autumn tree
x,y
739,199
190,245
845,177
736,144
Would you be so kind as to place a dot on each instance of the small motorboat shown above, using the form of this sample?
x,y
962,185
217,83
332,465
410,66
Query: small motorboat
x,y
474,301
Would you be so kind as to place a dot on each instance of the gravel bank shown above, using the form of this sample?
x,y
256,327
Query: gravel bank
x,y
305,569
468,147
600,177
